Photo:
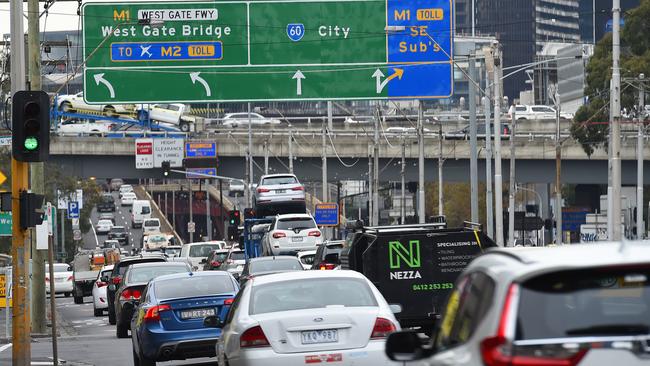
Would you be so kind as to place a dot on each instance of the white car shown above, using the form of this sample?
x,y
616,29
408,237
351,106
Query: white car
x,y
151,226
241,120
100,299
172,113
84,126
128,198
75,102
103,226
63,283
306,258
124,188
197,253
537,112
291,233
305,317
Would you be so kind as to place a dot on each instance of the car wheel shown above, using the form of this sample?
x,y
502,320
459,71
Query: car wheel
x,y
121,330
143,361
98,312
78,300
185,127
111,315
109,111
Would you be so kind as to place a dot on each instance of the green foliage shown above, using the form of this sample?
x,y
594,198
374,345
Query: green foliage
x,y
589,127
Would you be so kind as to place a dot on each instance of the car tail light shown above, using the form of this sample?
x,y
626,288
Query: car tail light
x,y
129,294
315,233
253,337
279,234
153,313
117,280
47,279
383,327
101,284
215,264
263,190
299,188
228,301
326,266
69,278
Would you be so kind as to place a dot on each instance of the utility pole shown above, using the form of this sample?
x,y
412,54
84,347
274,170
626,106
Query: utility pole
x,y
290,150
473,155
21,330
615,133
640,227
421,162
39,325
266,156
488,168
512,184
370,186
174,206
558,173
403,176
191,215
208,213
375,171
324,131
249,161
441,203
498,180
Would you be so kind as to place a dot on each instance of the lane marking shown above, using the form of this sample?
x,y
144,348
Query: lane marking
x,y
5,347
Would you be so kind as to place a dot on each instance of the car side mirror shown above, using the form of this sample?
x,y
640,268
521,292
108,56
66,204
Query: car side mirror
x,y
406,346
212,321
111,287
103,279
395,308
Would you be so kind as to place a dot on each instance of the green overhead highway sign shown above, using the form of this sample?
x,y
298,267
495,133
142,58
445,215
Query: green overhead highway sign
x,y
267,50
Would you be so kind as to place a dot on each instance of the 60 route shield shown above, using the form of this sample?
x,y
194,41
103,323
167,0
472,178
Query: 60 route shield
x,y
267,50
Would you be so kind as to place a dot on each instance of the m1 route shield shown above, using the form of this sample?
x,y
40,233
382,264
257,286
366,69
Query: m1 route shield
x,y
267,50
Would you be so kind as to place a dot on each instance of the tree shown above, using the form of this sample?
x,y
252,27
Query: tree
x,y
590,126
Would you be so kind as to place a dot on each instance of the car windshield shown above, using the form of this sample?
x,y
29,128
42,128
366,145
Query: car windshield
x,y
193,287
278,264
285,179
172,251
118,229
107,198
588,302
299,223
152,223
220,257
145,210
312,293
104,222
237,256
202,250
144,274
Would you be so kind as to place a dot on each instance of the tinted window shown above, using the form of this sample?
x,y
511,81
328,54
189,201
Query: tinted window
x,y
174,108
275,265
313,293
520,109
193,287
145,274
152,223
202,250
107,198
279,180
118,229
585,303
219,257
145,210
237,256
307,259
466,307
295,224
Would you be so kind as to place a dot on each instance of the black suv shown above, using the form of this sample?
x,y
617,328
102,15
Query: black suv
x,y
106,203
327,255
120,234
115,280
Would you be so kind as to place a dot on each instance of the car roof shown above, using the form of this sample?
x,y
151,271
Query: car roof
x,y
306,252
526,261
192,274
278,175
297,275
108,268
118,227
294,215
275,257
206,242
158,264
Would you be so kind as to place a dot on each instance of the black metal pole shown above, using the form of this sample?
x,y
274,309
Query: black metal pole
x,y
221,226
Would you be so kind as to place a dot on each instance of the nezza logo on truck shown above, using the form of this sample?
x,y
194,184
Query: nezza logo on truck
x,y
398,254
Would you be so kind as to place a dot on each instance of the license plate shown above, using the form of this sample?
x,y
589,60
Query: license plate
x,y
280,190
320,336
296,238
197,313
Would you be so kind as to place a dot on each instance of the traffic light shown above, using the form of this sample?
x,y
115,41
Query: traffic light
x,y
234,218
30,126
31,209
233,232
166,166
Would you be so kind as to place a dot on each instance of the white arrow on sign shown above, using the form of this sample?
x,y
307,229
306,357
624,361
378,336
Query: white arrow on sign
x,y
99,78
195,77
382,84
298,76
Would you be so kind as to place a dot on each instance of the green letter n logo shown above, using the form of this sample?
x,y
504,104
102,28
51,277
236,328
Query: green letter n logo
x,y
398,253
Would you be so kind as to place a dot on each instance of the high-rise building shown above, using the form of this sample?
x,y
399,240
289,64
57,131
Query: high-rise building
x,y
595,15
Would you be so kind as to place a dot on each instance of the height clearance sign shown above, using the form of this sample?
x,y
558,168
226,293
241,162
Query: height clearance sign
x,y
267,50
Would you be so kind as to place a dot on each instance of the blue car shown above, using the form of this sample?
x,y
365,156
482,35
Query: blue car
x,y
169,322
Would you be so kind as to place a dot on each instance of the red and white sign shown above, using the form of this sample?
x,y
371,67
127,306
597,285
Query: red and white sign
x,y
144,153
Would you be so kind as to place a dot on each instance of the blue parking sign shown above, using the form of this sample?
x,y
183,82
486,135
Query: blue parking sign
x,y
73,210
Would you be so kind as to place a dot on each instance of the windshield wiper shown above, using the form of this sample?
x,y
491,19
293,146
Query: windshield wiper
x,y
611,329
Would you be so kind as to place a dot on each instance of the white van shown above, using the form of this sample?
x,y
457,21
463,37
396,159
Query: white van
x,y
197,253
140,211
151,226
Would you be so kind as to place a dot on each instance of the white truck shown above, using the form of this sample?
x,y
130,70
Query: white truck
x,y
173,113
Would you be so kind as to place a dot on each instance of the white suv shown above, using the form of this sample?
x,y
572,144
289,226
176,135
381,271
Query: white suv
x,y
291,233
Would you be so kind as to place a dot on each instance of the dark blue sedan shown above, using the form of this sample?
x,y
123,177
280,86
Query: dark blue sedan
x,y
169,322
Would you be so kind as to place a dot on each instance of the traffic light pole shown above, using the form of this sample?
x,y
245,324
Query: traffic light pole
x,y
21,330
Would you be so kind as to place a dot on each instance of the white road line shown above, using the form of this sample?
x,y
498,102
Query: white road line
x,y
5,347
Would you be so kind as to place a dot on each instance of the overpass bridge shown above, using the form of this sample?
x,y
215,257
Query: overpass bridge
x,y
347,151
